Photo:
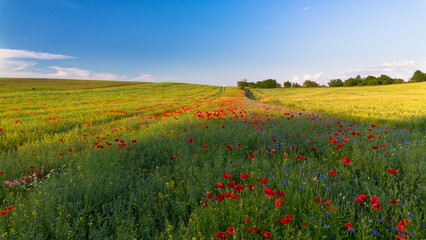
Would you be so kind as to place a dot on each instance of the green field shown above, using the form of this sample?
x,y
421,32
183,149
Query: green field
x,y
47,84
401,104
186,161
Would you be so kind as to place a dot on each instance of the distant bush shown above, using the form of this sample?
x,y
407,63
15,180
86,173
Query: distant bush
x,y
418,76
268,83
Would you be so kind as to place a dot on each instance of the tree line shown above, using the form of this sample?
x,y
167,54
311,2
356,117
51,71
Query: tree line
x,y
418,76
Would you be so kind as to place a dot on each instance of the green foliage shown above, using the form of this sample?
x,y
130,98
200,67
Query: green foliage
x,y
295,85
335,83
268,83
418,76
310,84
287,84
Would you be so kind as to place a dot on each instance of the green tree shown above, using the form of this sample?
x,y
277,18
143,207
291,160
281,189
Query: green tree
x,y
287,84
371,81
384,80
310,84
398,81
296,85
268,83
335,83
243,84
350,82
418,76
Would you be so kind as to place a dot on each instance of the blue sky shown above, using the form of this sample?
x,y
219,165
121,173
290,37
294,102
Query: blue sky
x,y
214,42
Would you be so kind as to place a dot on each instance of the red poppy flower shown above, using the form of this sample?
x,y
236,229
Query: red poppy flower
x,y
358,200
229,147
374,147
208,195
317,200
226,175
247,220
239,144
269,192
278,202
267,235
205,146
219,234
251,187
285,154
133,141
333,173
1,173
234,196
230,230
255,148
392,171
346,160
393,201
227,194
191,140
362,196
348,225
251,156
280,193
244,176
258,231
3,213
10,208
304,224
220,197
174,157
251,229
219,184
239,188
264,181
231,184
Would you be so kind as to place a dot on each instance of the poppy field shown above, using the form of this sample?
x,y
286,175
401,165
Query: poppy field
x,y
185,161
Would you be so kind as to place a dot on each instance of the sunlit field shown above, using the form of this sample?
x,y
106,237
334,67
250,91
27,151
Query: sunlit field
x,y
184,161
401,104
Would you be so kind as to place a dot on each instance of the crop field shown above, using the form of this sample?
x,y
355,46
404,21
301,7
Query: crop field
x,y
403,105
185,161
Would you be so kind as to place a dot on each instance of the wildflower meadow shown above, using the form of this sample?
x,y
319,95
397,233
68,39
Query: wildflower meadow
x,y
185,161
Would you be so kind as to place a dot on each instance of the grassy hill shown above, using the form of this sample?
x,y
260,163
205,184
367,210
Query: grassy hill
x,y
400,104
187,161
47,84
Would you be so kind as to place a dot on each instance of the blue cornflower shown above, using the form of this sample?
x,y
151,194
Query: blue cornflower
x,y
284,181
351,230
312,218
322,176
377,234
327,213
372,231
394,229
328,188
410,215
326,226
300,189
285,169
380,220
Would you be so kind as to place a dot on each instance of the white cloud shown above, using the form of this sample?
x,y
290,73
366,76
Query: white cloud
x,y
143,78
305,9
9,67
315,77
403,69
296,79
14,53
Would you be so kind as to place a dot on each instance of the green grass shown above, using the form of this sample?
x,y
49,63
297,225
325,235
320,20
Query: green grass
x,y
118,163
401,104
46,84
